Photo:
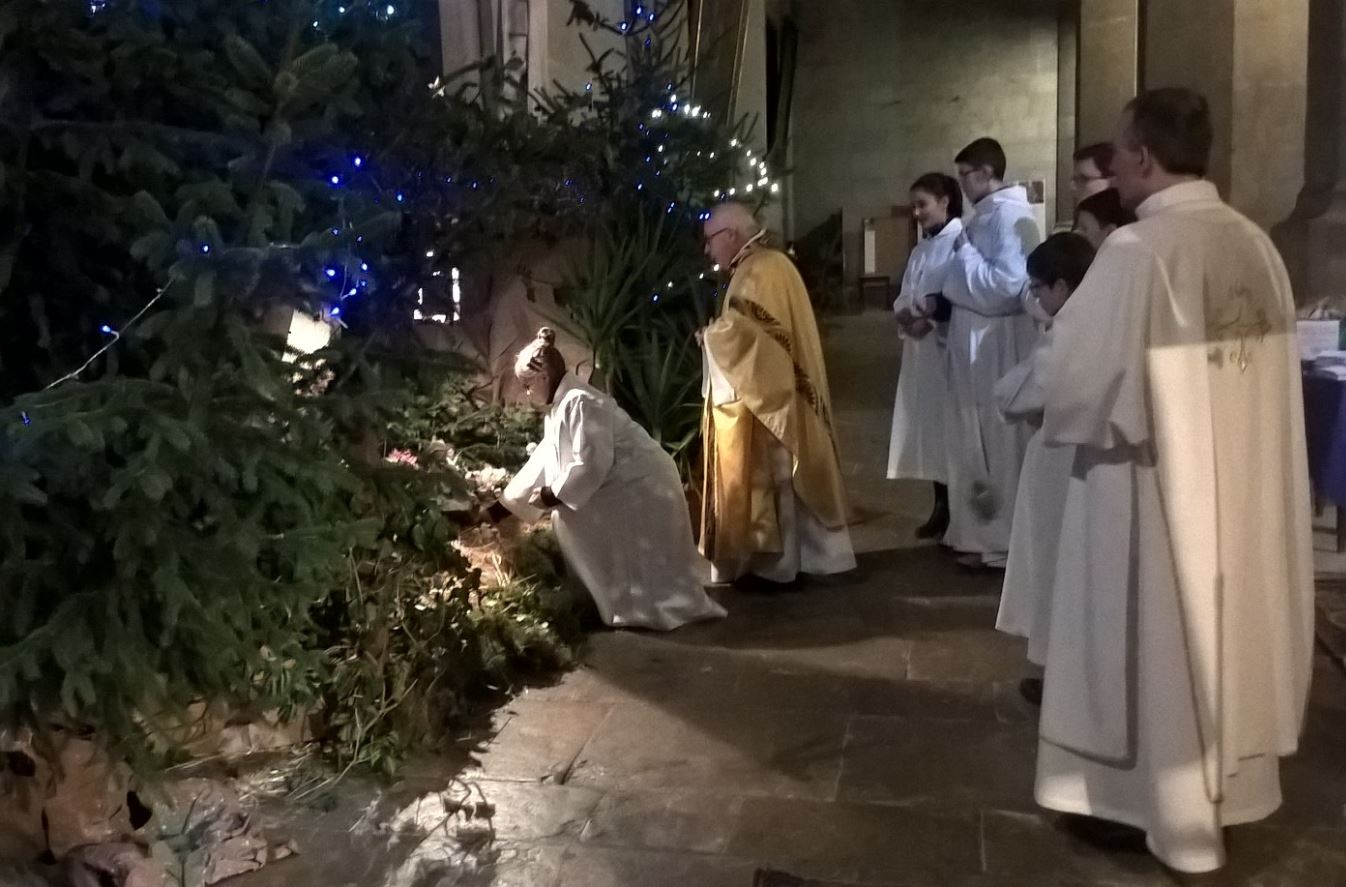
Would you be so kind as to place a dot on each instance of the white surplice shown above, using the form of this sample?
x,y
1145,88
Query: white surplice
x,y
989,333
623,524
1026,597
1180,648
917,448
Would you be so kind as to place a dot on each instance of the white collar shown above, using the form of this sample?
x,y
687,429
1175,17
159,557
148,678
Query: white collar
x,y
1199,191
743,250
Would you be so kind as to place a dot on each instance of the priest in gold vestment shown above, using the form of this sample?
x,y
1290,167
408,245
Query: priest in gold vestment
x,y
774,503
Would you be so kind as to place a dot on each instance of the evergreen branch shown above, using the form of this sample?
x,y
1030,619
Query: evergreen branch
x,y
116,337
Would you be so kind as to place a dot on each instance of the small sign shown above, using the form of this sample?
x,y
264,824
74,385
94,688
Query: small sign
x,y
1317,336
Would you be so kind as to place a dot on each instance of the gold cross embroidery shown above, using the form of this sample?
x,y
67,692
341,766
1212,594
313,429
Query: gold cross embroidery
x,y
1243,319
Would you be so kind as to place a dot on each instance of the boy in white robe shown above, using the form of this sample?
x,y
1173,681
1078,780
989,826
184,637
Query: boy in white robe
x,y
615,497
1055,269
989,333
1182,615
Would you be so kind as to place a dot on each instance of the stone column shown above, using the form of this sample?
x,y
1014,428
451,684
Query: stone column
x,y
1067,109
1313,238
1109,65
1246,57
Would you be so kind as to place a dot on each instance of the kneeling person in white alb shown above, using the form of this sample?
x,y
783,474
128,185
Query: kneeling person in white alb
x,y
615,497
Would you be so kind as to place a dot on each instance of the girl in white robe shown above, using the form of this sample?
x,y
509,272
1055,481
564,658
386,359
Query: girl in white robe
x,y
1055,269
917,448
616,501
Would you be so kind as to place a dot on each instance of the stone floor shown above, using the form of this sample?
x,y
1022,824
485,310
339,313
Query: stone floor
x,y
864,732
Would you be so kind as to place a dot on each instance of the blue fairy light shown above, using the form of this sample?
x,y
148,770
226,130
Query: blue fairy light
x,y
640,10
106,330
335,180
391,9
205,249
364,266
336,311
401,197
331,273
336,232
588,87
622,26
358,161
474,186
26,419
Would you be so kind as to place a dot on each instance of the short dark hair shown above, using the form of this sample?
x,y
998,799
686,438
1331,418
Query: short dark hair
x,y
1065,256
937,184
1174,124
984,152
1100,153
1106,207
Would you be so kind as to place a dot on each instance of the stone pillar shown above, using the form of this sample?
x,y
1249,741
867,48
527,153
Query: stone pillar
x,y
1191,43
1246,57
1109,65
1313,238
1067,102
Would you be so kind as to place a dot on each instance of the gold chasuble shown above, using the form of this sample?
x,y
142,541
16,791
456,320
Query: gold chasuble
x,y
765,344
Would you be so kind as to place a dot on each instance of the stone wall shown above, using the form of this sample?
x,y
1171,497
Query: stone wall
x,y
889,90
1270,97
1249,58
567,60
1109,65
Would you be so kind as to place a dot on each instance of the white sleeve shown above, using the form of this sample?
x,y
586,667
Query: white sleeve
x,y
520,489
1094,369
1018,396
585,444
715,385
993,284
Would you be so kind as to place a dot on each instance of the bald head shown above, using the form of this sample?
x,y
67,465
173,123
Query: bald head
x,y
729,227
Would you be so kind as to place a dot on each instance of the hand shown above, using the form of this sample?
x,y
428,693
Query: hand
x,y
904,317
919,328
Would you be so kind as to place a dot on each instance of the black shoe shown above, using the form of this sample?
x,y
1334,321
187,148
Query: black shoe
x,y
935,527
1031,689
1103,834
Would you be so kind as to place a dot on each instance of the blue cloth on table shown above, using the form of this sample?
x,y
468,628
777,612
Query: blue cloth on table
x,y
1325,427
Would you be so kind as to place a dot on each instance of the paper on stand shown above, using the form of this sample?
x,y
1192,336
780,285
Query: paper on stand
x,y
1317,336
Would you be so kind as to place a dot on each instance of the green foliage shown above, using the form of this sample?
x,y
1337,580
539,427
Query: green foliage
x,y
412,639
193,517
645,287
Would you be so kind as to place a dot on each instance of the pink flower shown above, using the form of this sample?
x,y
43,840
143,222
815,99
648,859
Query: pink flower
x,y
402,457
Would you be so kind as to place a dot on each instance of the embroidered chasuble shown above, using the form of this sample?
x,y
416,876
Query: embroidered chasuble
x,y
1181,634
763,348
